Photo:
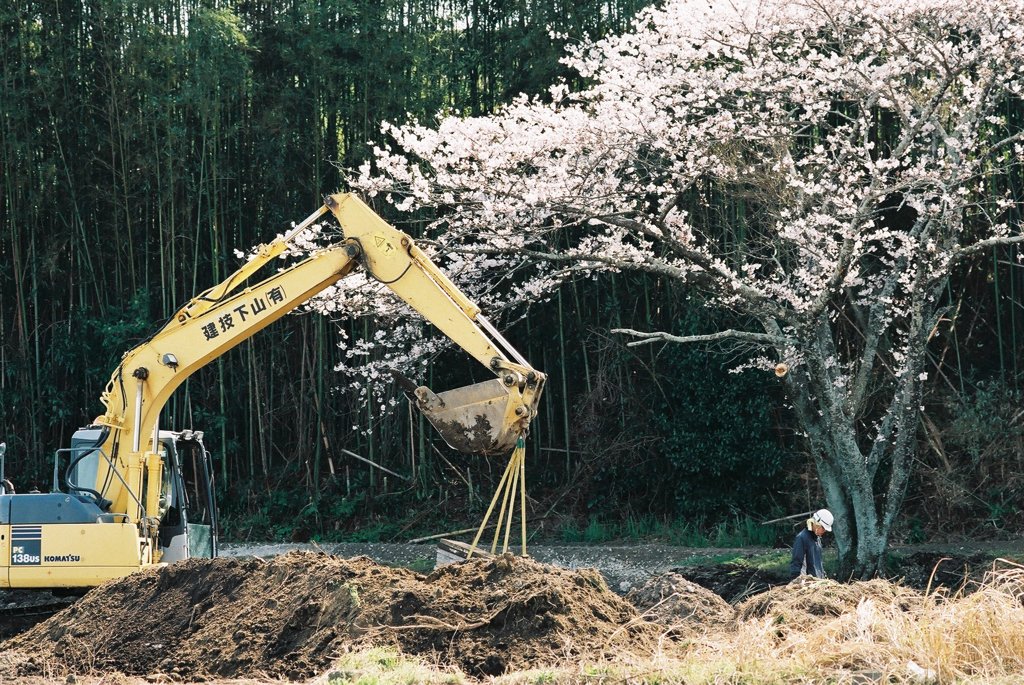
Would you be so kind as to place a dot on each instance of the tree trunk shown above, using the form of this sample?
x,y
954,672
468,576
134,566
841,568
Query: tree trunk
x,y
849,447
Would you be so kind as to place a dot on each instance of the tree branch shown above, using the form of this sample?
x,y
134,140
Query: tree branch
x,y
661,336
980,246
706,271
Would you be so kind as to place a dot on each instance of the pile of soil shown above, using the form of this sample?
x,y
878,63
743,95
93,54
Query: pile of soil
x,y
800,606
681,606
292,616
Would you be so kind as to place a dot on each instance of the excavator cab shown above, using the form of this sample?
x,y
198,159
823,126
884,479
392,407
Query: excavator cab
x,y
187,512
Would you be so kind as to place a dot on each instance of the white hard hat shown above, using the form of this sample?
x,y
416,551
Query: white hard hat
x,y
824,518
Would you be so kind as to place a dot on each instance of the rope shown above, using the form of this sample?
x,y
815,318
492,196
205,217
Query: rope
x,y
514,478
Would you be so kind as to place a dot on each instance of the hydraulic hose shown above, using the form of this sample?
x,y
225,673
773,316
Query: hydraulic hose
x,y
103,504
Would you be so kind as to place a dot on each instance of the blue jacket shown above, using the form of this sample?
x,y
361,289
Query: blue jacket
x,y
806,556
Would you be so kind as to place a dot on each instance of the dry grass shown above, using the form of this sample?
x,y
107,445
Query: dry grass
x,y
877,632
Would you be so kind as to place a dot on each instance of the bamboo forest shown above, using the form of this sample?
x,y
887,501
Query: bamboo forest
x,y
147,146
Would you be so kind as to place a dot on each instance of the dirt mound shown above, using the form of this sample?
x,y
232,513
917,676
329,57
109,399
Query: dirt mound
x,y
680,605
290,617
798,607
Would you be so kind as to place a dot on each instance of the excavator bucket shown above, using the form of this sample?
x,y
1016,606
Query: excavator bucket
x,y
475,419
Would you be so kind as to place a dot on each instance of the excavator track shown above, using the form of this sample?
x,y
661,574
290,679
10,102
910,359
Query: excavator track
x,y
22,609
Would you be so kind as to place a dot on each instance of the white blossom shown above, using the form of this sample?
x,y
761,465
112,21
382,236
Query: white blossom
x,y
772,104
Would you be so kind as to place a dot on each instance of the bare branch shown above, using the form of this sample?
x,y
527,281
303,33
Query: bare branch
x,y
660,336
980,246
1009,140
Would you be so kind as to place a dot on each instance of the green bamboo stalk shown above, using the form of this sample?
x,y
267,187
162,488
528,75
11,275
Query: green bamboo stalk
x,y
371,446
321,394
580,328
565,389
998,313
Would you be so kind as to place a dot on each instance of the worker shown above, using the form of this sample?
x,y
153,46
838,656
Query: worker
x,y
807,546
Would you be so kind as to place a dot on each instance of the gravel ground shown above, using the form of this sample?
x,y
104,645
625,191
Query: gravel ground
x,y
622,566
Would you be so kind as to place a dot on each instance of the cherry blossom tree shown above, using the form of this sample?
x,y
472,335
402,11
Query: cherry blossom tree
x,y
862,145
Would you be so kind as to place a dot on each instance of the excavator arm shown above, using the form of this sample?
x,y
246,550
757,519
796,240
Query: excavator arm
x,y
485,418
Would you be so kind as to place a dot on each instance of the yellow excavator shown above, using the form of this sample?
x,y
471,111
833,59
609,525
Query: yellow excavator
x,y
128,494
